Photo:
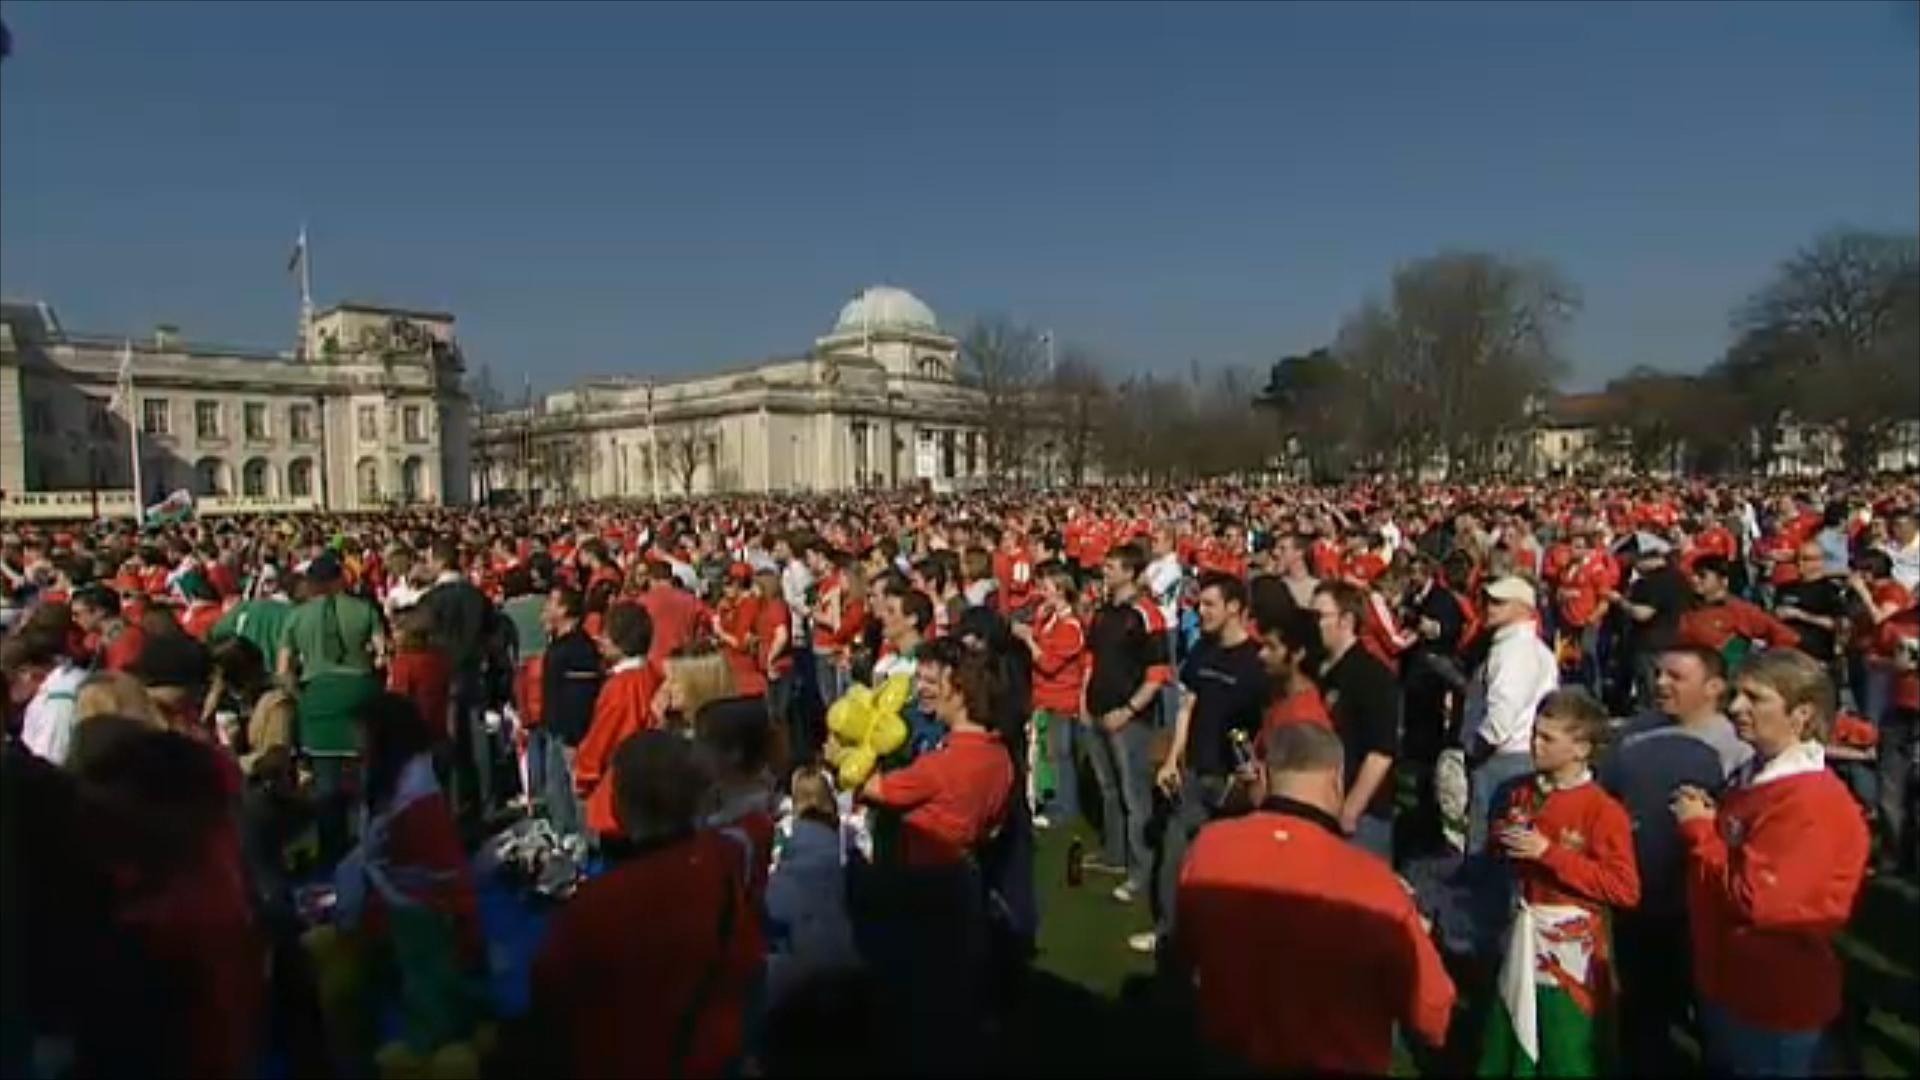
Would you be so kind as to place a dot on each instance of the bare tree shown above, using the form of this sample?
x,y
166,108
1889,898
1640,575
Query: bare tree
x,y
1002,360
1450,361
682,449
1079,394
1840,323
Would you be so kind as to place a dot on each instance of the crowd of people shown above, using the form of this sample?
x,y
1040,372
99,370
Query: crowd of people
x,y
1523,779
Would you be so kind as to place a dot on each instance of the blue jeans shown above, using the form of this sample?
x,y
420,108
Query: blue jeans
x,y
1126,794
563,805
1063,731
1374,834
1737,1049
1486,779
832,681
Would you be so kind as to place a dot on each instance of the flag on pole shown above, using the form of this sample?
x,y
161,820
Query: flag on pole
x,y
121,402
174,508
299,255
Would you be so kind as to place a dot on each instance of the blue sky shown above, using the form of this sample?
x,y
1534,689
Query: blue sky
x,y
613,188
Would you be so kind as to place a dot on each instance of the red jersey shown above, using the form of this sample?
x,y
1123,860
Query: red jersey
x,y
676,614
1060,671
770,617
1771,881
616,989
121,650
624,708
199,618
952,798
1583,587
425,676
1305,707
737,620
1715,625
1306,951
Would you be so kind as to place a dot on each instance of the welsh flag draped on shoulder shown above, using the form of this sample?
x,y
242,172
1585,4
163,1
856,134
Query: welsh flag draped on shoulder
x,y
1543,1020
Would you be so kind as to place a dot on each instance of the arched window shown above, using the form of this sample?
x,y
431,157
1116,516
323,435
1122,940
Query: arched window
x,y
256,478
211,477
413,480
300,478
932,368
367,479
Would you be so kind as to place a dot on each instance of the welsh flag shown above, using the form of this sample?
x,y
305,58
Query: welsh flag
x,y
1543,1021
175,507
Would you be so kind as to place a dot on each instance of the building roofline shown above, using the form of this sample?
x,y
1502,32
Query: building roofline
x,y
384,309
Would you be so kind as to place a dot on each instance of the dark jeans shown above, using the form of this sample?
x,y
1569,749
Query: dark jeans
x,y
1654,956
335,779
1899,747
473,759
1734,1048
1197,803
923,933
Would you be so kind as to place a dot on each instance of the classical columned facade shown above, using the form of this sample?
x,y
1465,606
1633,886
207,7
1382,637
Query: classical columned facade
x,y
874,404
368,414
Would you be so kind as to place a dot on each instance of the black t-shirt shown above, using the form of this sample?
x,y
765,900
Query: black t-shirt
x,y
570,682
1230,689
1365,703
1824,598
1665,591
1124,642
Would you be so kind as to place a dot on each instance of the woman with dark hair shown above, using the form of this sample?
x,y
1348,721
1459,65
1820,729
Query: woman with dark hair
x,y
925,923
159,821
406,893
647,970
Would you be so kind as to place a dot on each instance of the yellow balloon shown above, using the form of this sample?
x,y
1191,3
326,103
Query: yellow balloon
x,y
889,734
893,696
855,766
841,716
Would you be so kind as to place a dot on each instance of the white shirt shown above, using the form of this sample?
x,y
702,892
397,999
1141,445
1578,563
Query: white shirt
x,y
1906,563
1163,581
47,725
1507,690
795,580
401,595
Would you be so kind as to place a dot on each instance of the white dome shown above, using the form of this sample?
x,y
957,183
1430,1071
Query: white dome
x,y
883,307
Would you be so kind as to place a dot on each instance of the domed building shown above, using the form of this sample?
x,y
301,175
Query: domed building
x,y
874,404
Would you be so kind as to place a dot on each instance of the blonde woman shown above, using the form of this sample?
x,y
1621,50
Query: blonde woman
x,y
1774,867
115,693
695,675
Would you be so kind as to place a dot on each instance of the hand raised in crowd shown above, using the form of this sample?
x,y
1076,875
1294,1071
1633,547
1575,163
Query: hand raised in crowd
x,y
1691,803
1523,842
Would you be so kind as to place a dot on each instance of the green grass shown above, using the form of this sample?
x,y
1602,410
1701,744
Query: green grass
x,y
1095,1008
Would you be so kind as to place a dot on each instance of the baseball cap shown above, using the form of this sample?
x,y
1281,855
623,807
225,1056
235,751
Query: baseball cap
x,y
1512,589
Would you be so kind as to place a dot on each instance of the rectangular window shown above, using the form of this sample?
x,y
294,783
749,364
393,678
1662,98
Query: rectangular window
x,y
99,420
254,419
206,419
155,416
369,423
300,423
413,423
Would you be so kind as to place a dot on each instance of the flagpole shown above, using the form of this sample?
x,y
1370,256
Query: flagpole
x,y
133,429
306,291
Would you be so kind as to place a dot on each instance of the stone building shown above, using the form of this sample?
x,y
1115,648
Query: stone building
x,y
874,403
368,414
